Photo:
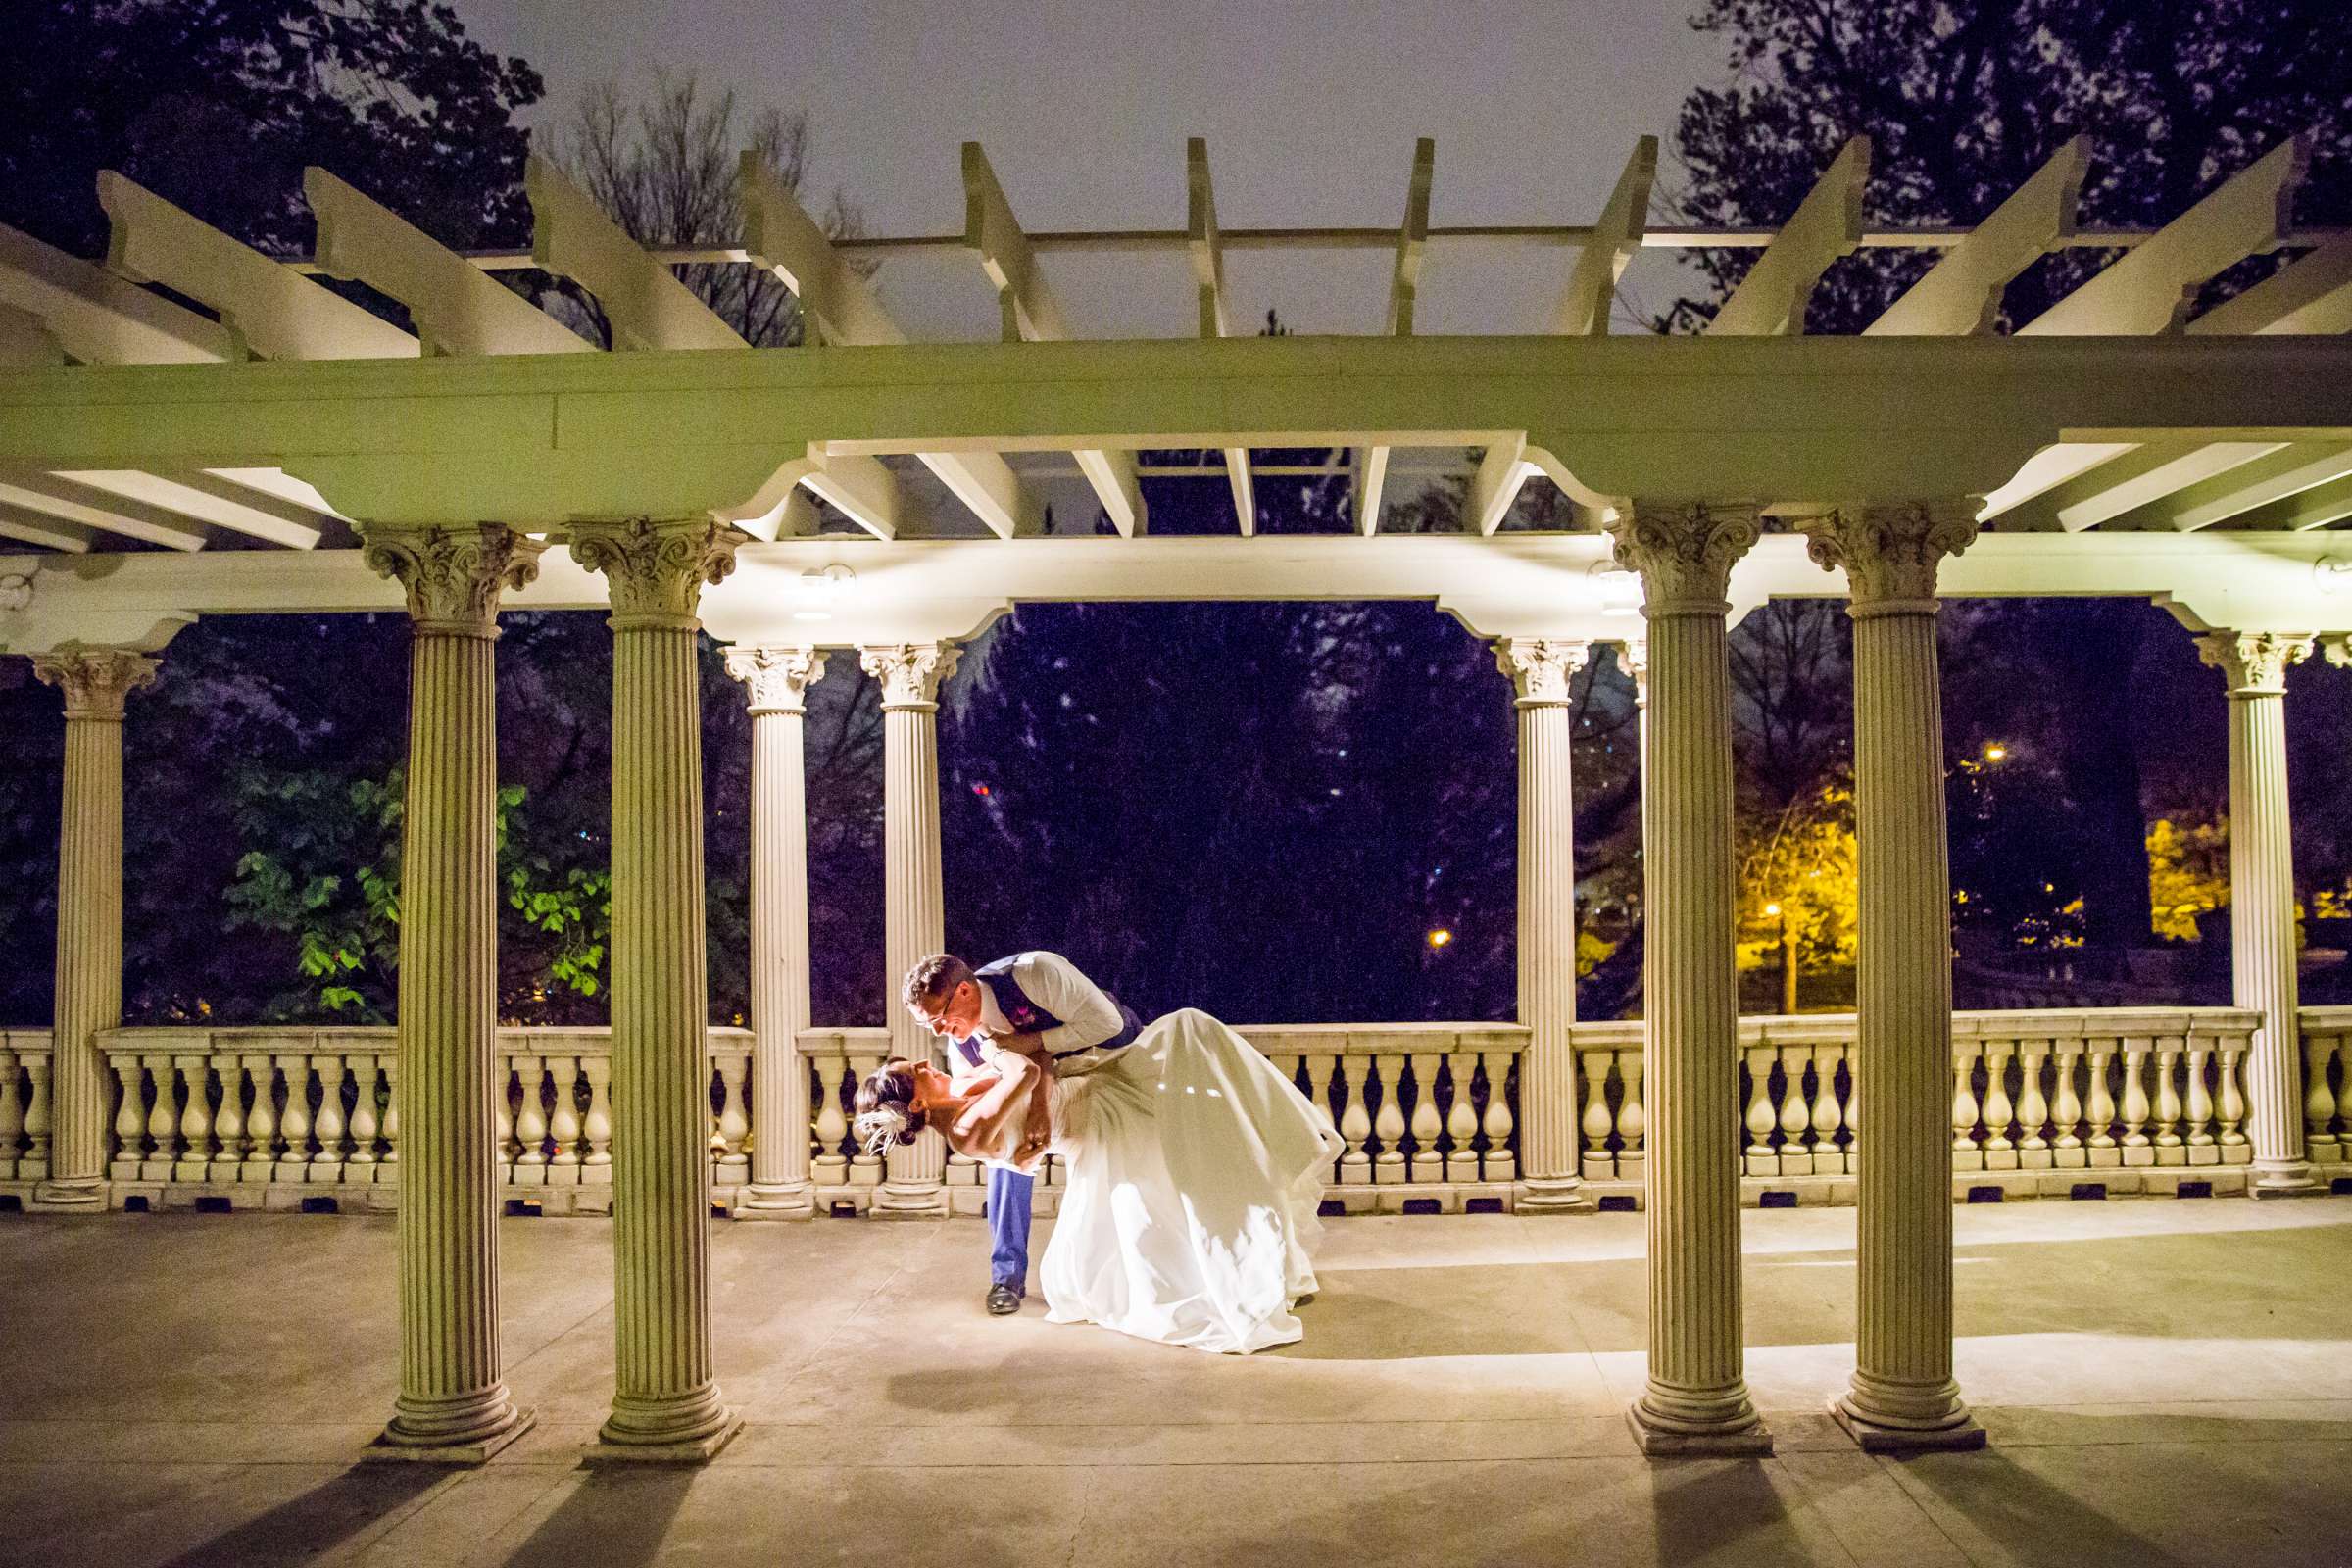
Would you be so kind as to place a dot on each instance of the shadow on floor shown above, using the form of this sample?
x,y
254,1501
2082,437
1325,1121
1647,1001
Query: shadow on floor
x,y
303,1528
620,1513
2036,1524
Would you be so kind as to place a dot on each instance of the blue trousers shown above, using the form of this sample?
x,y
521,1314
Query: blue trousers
x,y
1008,1227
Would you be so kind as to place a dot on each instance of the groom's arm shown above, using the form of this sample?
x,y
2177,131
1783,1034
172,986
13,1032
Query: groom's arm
x,y
1087,1016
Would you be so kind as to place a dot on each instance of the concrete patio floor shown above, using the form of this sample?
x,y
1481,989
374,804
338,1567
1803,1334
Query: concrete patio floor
x,y
2165,1381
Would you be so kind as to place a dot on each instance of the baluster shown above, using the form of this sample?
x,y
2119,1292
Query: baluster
x,y
864,1169
362,1162
261,1122
1762,1117
502,1137
2099,1109
2235,1149
1462,1120
734,1120
2065,1111
596,1128
1356,1121
195,1137
1598,1163
1319,1069
1633,1118
2318,1101
2000,1148
1426,1164
294,1122
829,1166
163,1123
1389,1125
2202,1149
1966,1156
564,1123
2168,1147
388,1168
530,1120
229,1137
1853,1108
2033,1109
12,1113
1501,1160
1828,1158
130,1118
2136,1049
329,1128
1796,1113
33,1164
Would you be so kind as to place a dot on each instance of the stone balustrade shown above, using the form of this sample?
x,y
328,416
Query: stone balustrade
x,y
2327,1086
23,1105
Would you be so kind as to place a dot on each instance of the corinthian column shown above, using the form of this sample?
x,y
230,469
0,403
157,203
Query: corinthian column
x,y
2262,899
96,682
1697,1399
1902,1395
912,904
453,1404
1541,671
665,1405
777,681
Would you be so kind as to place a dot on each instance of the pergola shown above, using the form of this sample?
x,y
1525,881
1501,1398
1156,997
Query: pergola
x,y
290,452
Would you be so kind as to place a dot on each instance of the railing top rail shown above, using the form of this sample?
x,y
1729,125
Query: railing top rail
x,y
1294,1039
2325,1020
2036,1023
299,1039
25,1042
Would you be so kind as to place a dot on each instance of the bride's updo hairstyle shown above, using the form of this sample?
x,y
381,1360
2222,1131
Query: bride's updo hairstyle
x,y
885,1113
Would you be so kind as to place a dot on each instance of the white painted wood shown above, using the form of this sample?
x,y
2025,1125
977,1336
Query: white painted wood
x,y
1582,306
649,308
268,309
2281,474
1770,301
458,308
98,317
2308,296
1501,471
1369,464
2145,474
2315,507
215,500
862,488
94,508
1208,277
25,340
39,529
1961,294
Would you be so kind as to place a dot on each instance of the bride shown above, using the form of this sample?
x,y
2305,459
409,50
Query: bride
x,y
1193,1169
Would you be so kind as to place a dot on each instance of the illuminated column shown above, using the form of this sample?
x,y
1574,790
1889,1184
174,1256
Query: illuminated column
x,y
1541,671
2262,899
453,1404
777,682
665,1405
1902,1395
1697,1398
96,683
914,905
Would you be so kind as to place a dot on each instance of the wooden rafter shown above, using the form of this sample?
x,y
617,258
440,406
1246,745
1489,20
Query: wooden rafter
x,y
1961,294
1216,320
1582,306
649,308
1370,464
1771,300
98,317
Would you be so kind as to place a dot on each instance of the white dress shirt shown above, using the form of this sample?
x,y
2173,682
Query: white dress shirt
x,y
1087,1016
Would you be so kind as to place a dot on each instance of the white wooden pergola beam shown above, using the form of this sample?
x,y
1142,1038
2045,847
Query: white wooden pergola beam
x,y
862,488
2317,507
2145,474
1961,294
1771,300
2290,470
98,317
284,486
2151,288
25,340
1502,472
2308,296
39,529
215,501
1032,315
840,307
457,306
1206,248
1582,306
1369,465
268,309
649,308
54,497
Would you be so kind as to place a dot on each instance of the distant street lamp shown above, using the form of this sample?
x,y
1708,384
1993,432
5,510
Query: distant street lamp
x,y
1440,937
1995,750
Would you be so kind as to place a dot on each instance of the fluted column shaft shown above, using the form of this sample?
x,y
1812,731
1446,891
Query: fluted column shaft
x,y
665,1404
777,681
913,904
1902,1393
1541,671
2261,899
1697,1395
96,682
452,1395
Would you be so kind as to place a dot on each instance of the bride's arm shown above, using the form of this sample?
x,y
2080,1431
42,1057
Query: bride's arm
x,y
983,1112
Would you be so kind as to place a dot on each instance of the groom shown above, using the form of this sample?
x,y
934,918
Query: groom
x,y
1038,1004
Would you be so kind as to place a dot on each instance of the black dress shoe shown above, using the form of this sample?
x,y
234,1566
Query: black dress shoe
x,y
1002,1301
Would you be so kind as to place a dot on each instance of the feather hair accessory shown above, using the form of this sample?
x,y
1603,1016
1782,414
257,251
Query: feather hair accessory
x,y
879,1128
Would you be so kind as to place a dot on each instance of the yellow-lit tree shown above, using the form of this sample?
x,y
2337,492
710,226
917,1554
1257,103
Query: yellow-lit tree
x,y
1798,872
2188,874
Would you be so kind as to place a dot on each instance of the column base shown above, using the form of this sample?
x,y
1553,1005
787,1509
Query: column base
x,y
2284,1179
927,1201
1550,1194
784,1200
684,1451
390,1448
1659,1442
1873,1438
70,1194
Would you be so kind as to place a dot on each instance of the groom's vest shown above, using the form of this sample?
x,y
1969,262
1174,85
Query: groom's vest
x,y
1028,1018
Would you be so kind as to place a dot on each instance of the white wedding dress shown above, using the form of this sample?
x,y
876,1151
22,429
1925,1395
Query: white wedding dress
x,y
1193,1171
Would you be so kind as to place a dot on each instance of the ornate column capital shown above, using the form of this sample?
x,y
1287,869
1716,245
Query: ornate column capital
x,y
1541,668
2254,663
1632,657
909,672
453,576
1683,552
96,681
776,680
657,568
1890,550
